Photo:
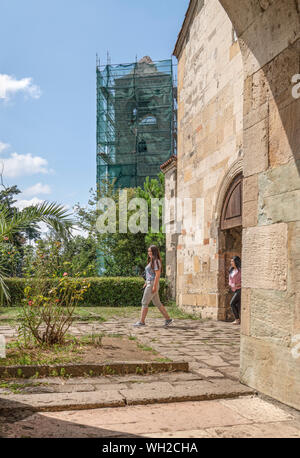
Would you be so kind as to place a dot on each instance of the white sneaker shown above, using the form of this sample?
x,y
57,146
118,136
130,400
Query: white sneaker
x,y
168,322
139,324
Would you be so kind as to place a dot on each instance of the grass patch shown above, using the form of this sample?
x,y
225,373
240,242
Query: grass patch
x,y
93,348
42,356
132,337
8,315
17,388
70,352
163,360
146,348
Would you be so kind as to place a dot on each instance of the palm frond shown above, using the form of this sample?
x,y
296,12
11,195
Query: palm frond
x,y
3,286
51,213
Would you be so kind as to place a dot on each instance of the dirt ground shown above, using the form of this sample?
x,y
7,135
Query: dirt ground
x,y
110,349
117,349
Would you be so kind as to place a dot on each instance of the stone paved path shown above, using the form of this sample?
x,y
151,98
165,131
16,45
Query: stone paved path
x,y
211,347
212,350
244,417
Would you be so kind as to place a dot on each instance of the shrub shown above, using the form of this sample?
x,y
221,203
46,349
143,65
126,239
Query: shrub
x,y
48,309
103,291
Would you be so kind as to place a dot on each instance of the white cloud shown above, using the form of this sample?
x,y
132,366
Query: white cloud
x,y
9,86
43,228
3,146
23,164
38,188
78,231
23,203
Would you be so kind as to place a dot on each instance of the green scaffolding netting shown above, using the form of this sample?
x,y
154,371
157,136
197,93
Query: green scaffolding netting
x,y
135,121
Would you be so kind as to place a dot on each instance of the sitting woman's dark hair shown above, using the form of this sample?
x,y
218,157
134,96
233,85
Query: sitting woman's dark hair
x,y
237,262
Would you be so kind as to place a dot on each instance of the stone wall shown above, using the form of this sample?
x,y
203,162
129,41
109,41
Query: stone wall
x,y
212,131
270,353
210,111
169,168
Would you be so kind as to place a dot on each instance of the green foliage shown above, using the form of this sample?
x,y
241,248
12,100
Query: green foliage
x,y
76,256
79,256
118,291
154,189
11,258
124,254
16,290
103,291
15,223
48,310
30,231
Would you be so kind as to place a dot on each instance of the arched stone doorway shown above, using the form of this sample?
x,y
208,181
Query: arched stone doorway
x,y
230,241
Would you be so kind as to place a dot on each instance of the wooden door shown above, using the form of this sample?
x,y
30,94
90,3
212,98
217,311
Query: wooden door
x,y
232,208
231,226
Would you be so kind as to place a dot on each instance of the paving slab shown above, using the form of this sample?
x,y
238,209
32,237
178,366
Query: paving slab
x,y
61,401
271,430
208,373
254,408
76,388
242,417
139,419
184,391
72,397
230,372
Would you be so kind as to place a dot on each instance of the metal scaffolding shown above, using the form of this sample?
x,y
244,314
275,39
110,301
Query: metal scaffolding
x,y
136,121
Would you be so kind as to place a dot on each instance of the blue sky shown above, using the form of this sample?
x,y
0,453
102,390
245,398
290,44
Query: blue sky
x,y
48,86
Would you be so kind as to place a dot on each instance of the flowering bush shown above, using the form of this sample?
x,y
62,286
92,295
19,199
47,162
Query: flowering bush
x,y
48,310
10,258
49,306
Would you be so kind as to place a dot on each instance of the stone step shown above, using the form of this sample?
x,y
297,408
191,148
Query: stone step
x,y
137,394
81,369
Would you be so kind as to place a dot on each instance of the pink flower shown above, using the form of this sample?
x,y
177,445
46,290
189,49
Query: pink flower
x,y
65,274
30,302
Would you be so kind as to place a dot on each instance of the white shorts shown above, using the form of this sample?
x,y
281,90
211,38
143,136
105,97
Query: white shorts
x,y
148,296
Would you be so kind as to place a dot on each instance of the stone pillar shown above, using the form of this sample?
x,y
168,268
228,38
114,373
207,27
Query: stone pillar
x,y
169,168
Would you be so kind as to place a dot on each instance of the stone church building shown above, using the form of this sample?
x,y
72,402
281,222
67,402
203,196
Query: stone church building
x,y
238,160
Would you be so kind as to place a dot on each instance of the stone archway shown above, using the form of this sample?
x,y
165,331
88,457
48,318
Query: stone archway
x,y
268,32
230,242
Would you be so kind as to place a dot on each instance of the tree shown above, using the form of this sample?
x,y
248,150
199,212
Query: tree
x,y
12,223
123,254
154,189
7,200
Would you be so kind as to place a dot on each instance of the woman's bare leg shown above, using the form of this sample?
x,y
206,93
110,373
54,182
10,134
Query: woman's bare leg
x,y
164,312
144,312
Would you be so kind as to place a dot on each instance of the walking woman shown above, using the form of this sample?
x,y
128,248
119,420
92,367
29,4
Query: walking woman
x,y
235,284
151,286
